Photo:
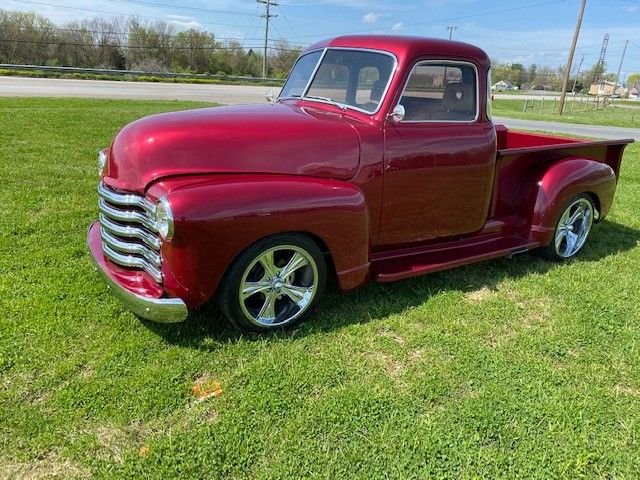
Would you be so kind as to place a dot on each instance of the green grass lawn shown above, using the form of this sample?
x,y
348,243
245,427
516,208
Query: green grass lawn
x,y
507,369
615,116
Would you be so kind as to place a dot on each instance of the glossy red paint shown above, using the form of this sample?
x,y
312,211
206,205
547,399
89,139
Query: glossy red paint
x,y
270,138
217,217
384,200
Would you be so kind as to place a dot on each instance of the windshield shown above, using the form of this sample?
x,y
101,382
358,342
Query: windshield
x,y
350,78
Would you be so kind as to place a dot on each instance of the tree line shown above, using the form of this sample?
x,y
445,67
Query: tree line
x,y
128,43
534,77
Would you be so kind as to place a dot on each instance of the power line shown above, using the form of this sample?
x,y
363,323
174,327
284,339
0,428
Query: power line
x,y
184,7
116,33
31,2
140,47
288,22
443,20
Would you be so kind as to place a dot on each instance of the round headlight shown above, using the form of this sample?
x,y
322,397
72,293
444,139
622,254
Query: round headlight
x,y
102,162
164,219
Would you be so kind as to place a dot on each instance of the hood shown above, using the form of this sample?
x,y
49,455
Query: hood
x,y
272,138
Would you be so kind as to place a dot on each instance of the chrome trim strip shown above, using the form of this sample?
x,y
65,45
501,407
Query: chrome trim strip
x,y
313,74
371,50
444,62
163,310
132,248
392,74
131,261
127,215
129,231
127,199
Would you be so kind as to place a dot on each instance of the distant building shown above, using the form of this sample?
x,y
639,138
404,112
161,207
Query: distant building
x,y
634,92
607,89
503,85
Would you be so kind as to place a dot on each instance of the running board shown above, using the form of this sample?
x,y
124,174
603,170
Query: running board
x,y
435,259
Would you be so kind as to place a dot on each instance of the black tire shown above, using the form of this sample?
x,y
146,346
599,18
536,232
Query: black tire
x,y
272,305
560,252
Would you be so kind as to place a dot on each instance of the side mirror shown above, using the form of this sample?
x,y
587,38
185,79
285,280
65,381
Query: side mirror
x,y
397,114
271,96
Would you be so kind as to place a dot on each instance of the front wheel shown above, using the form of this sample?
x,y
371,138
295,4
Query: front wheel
x,y
274,283
572,230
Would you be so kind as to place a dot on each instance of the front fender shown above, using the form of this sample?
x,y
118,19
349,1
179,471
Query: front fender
x,y
561,182
217,217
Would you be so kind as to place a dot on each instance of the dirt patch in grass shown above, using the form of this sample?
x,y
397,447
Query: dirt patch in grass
x,y
479,295
113,441
50,467
533,312
626,390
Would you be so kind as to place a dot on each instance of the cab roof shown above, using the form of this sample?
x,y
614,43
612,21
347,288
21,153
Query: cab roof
x,y
406,47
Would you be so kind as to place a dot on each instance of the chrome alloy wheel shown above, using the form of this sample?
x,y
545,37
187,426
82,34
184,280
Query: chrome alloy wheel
x,y
573,228
278,286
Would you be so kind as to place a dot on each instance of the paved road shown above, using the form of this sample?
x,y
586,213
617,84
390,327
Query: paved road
x,y
232,94
571,128
57,87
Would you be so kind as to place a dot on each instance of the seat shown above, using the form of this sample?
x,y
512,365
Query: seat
x,y
374,97
458,103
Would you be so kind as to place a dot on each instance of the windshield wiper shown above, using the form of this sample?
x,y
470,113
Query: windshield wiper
x,y
326,99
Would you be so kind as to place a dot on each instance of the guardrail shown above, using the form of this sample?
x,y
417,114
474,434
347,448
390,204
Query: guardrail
x,y
137,73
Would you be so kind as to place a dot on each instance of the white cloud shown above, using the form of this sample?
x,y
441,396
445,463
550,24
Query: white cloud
x,y
181,18
397,26
370,17
187,25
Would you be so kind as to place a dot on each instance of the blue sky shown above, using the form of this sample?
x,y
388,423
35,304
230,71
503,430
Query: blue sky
x,y
524,31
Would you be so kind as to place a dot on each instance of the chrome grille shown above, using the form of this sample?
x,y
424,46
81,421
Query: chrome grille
x,y
129,232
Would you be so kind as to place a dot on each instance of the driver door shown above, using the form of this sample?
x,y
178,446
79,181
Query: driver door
x,y
439,160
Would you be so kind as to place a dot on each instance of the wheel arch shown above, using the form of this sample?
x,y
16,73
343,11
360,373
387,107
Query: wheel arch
x,y
220,217
597,205
558,184
316,239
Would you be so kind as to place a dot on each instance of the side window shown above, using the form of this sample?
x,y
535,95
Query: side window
x,y
440,92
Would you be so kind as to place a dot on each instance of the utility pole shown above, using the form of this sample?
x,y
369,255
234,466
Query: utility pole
x,y
575,80
567,71
266,16
624,52
451,28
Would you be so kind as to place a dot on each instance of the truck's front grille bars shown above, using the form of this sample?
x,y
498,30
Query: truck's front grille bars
x,y
129,232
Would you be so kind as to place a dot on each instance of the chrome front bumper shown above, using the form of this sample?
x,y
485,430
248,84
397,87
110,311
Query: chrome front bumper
x,y
163,310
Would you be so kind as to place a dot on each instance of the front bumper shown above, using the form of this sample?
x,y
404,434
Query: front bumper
x,y
138,295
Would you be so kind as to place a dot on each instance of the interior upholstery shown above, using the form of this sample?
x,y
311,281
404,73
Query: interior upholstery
x,y
458,102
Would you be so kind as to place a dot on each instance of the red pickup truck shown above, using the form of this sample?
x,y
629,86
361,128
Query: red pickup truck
x,y
378,160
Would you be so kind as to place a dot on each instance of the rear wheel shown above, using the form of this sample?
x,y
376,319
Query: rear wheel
x,y
572,230
274,284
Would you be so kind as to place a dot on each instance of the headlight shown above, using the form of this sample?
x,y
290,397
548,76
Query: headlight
x,y
103,162
164,219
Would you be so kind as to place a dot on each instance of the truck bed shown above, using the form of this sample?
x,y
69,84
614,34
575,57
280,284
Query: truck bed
x,y
521,155
530,145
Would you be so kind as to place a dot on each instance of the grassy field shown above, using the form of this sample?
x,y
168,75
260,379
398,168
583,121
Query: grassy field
x,y
212,80
508,369
615,116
